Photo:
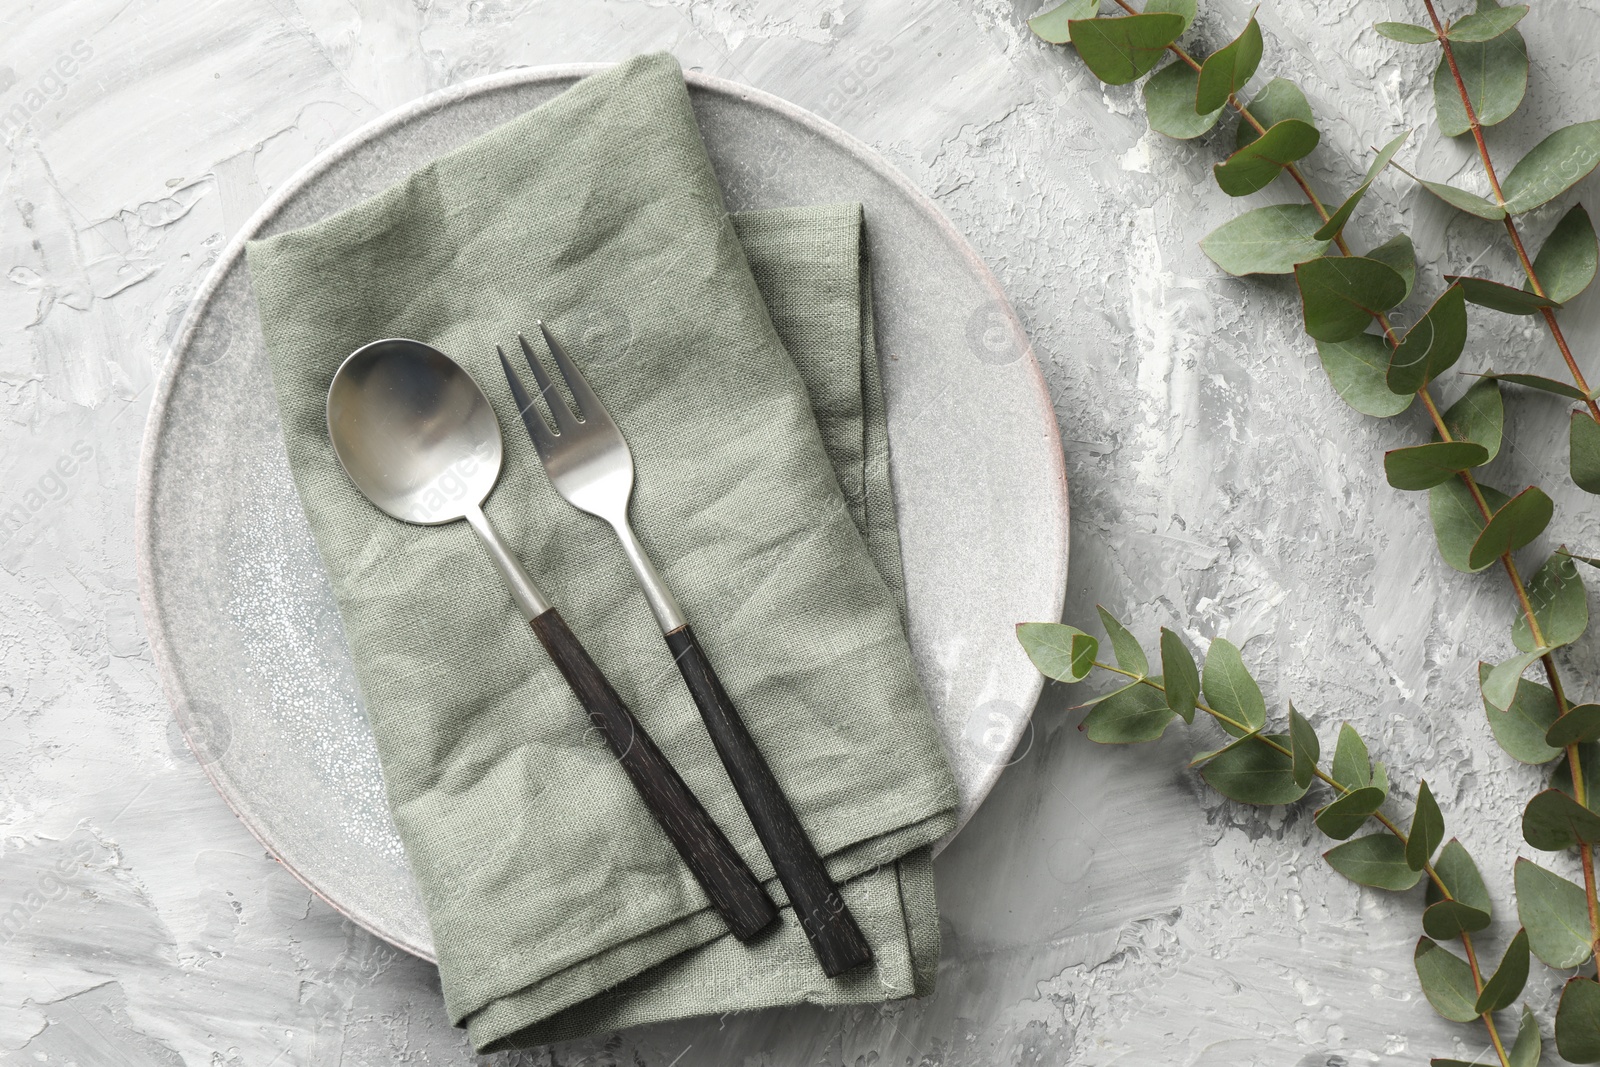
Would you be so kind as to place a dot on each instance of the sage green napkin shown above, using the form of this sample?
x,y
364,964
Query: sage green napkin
x,y
736,353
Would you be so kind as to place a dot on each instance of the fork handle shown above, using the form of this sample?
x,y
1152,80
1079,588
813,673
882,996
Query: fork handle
x,y
727,880
834,935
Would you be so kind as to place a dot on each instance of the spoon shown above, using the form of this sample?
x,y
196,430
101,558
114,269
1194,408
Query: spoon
x,y
417,436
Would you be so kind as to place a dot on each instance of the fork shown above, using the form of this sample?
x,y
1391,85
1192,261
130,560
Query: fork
x,y
589,463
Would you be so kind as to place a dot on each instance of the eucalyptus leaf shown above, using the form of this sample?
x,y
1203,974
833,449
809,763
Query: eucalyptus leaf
x,y
1461,877
1578,1021
1278,100
1432,347
1583,448
1529,1046
1508,980
1457,520
1567,260
1505,679
1340,294
1053,25
1499,297
1552,166
1230,690
1336,222
1254,772
1589,757
1522,727
1580,724
1227,69
1304,748
1406,32
1547,385
1377,860
1486,25
1179,675
1425,466
1169,104
1494,74
1350,812
1186,8
1460,199
1555,913
1523,518
1449,919
1479,415
1446,981
1560,605
1129,716
1398,252
1253,167
1427,829
1266,240
1358,370
1553,821
1130,657
1059,651
1121,50
1352,766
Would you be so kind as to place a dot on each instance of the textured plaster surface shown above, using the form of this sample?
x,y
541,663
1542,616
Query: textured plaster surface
x,y
1103,908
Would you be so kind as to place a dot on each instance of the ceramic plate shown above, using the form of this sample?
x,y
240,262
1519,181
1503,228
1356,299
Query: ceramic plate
x,y
242,620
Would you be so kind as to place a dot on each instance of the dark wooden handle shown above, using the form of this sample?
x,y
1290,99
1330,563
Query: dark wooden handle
x,y
733,890
832,930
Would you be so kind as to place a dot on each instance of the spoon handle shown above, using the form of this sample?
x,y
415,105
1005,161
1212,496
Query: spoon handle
x,y
733,890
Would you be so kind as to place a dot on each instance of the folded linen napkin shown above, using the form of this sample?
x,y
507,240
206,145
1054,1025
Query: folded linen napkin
x,y
736,353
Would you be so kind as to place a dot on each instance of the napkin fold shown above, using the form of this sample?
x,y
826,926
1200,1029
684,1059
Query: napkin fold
x,y
736,352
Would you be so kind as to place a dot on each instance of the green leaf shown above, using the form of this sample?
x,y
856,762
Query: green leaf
x,y
1253,772
1548,385
1358,369
1505,986
1186,8
1578,1021
1589,757
1553,166
1515,525
1457,520
1504,680
1460,199
1059,651
1427,829
1278,101
1478,416
1227,69
1252,168
1522,727
1305,747
1566,262
1341,294
1583,447
1450,919
1350,812
1553,821
1432,347
1555,913
1486,25
1425,466
1529,1046
1499,297
1267,240
1580,724
1133,714
1559,604
1495,74
1230,689
1169,105
1406,32
1399,253
1179,675
1121,50
1053,25
1337,220
1446,980
1352,767
1130,657
1378,860
1461,877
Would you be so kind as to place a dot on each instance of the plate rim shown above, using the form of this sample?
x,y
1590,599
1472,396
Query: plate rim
x,y
173,689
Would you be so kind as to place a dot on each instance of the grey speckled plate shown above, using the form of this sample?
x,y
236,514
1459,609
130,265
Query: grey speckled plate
x,y
242,621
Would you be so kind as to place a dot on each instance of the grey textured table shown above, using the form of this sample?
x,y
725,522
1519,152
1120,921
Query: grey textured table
x,y
1103,907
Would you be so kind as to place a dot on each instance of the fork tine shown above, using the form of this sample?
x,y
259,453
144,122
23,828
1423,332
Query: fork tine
x,y
566,421
543,440
592,408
